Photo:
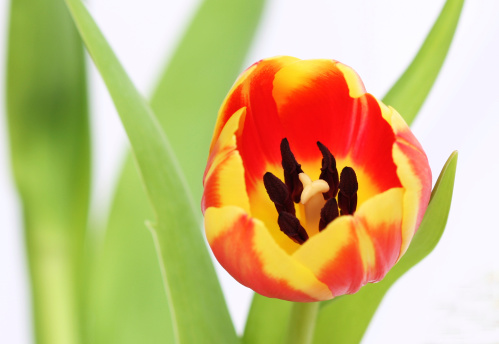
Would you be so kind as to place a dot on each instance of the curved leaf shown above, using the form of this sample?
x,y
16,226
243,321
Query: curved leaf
x,y
346,320
199,76
410,91
186,101
196,301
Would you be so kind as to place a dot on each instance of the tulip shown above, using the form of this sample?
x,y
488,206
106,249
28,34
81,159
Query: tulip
x,y
313,187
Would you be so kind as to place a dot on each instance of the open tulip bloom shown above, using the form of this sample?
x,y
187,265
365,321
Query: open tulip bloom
x,y
313,187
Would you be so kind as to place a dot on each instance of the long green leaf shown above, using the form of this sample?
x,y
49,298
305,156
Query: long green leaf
x,y
345,320
199,76
127,296
196,301
49,139
410,91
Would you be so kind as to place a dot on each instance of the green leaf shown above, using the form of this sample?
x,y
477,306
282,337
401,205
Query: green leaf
x,y
199,76
345,320
267,321
410,91
49,139
195,298
127,280
127,295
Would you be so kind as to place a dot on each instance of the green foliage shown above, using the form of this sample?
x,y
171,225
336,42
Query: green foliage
x,y
195,298
49,139
48,127
411,89
127,298
267,321
198,77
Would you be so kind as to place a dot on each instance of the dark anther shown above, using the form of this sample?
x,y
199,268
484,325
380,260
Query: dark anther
x,y
290,225
329,173
291,171
278,193
328,213
347,197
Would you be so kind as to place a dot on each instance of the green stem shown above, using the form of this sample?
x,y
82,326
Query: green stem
x,y
52,262
46,103
302,322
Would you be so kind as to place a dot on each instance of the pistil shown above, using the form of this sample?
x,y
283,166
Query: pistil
x,y
312,199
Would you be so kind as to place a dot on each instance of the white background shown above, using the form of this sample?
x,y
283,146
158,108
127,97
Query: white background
x,y
451,297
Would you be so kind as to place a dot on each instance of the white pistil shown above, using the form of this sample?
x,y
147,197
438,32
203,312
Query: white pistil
x,y
312,200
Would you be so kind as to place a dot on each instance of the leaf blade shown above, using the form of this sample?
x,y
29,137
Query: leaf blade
x,y
267,321
199,53
199,76
183,256
410,91
47,116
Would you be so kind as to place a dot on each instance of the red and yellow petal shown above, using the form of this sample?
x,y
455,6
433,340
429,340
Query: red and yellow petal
x,y
244,247
314,103
253,90
414,173
382,217
224,176
334,256
354,250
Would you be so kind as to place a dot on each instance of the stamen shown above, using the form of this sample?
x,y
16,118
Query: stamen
x,y
347,197
329,173
291,171
290,225
318,198
278,193
328,213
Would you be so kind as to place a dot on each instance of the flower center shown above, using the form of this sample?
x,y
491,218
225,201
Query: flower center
x,y
318,197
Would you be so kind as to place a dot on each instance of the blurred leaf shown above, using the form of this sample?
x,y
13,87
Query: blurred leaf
x,y
410,91
346,320
128,296
267,321
199,76
196,301
49,139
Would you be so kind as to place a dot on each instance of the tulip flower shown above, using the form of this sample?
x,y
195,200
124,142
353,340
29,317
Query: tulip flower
x,y
313,187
